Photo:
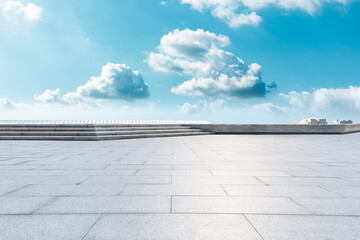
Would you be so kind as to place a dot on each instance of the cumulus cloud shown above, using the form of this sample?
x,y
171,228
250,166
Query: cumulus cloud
x,y
242,12
5,103
325,99
211,106
270,107
191,44
242,85
214,71
29,11
70,98
49,96
205,106
188,108
117,81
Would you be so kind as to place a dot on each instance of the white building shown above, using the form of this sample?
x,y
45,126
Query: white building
x,y
314,121
342,122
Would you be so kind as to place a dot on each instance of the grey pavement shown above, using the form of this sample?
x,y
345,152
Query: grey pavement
x,y
203,187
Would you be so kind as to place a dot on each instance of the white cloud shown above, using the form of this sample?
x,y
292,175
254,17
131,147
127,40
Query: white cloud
x,y
226,10
117,81
320,101
49,96
214,71
70,98
188,108
163,3
204,106
241,12
270,107
80,112
326,99
191,44
5,103
237,20
211,106
29,11
243,85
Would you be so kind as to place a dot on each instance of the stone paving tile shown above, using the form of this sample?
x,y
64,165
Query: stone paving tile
x,y
353,181
178,162
42,179
123,204
174,189
131,161
253,166
12,162
69,190
102,172
248,173
353,168
325,173
18,167
173,173
21,205
11,173
277,191
100,180
215,180
345,191
172,227
331,206
304,181
7,187
139,166
286,227
73,166
190,167
260,205
45,227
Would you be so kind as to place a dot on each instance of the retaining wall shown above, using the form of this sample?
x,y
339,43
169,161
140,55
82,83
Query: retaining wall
x,y
277,128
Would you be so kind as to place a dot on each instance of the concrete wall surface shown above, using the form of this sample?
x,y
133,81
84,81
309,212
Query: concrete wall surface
x,y
352,128
277,128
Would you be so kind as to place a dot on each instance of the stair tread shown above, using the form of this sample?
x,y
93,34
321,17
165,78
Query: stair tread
x,y
159,134
88,125
95,133
2,129
104,137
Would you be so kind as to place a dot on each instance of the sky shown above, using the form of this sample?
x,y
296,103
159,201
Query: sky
x,y
224,61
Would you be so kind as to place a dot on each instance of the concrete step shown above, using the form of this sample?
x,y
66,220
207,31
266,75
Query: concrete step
x,y
86,129
65,125
104,137
95,133
139,132
119,137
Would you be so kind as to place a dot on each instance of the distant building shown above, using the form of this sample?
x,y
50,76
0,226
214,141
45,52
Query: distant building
x,y
342,122
314,121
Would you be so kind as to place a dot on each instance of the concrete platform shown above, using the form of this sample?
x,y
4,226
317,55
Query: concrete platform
x,y
203,187
116,130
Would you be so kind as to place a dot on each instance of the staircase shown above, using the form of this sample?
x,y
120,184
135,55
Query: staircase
x,y
94,132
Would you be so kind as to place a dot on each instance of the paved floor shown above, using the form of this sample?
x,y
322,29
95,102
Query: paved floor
x,y
206,187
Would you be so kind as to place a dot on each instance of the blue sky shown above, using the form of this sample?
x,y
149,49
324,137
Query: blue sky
x,y
180,59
